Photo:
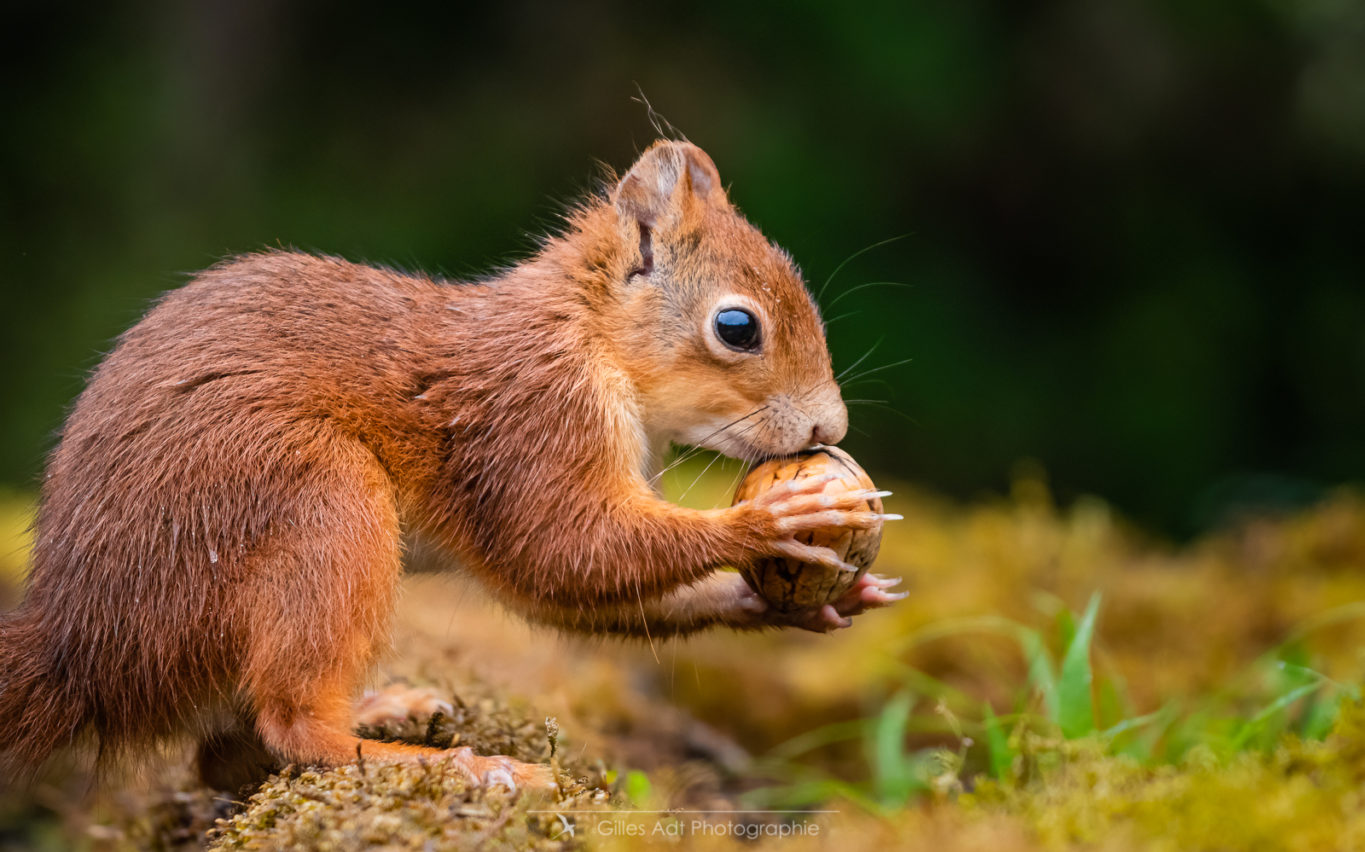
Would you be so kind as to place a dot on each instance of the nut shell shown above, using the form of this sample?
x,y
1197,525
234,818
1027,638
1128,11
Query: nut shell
x,y
787,584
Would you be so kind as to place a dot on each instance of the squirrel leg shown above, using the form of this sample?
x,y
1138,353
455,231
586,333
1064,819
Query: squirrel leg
x,y
307,716
316,729
720,599
723,599
316,609
581,558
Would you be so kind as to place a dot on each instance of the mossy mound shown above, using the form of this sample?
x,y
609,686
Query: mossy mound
x,y
426,805
395,806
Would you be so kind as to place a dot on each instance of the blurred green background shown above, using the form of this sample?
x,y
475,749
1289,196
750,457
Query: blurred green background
x,y
1131,231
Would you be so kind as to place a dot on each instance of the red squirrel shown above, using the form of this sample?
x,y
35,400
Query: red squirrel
x,y
217,547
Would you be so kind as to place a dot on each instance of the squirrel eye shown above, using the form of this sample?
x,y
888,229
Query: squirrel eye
x,y
738,329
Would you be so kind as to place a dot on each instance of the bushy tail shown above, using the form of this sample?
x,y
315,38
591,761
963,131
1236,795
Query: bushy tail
x,y
37,716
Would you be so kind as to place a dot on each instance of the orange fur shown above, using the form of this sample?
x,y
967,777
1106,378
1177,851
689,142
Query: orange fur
x,y
219,525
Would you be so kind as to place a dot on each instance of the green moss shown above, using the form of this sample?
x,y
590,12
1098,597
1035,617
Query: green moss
x,y
1300,796
396,806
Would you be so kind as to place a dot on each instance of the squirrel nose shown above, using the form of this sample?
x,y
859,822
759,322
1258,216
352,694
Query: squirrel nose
x,y
827,433
828,418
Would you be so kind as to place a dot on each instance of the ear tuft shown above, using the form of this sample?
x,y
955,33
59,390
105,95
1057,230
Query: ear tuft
x,y
666,180
702,174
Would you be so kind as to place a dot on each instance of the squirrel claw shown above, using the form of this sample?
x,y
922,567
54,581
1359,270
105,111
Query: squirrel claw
x,y
826,619
870,592
833,619
823,556
874,596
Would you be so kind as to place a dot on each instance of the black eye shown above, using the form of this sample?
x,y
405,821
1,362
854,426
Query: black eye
x,y
738,329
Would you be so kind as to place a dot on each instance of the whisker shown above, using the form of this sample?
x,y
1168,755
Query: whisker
x,y
696,448
717,458
851,367
734,483
857,254
837,299
865,373
688,489
883,382
893,410
687,453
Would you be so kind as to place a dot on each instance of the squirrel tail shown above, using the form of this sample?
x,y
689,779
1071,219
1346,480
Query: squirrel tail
x,y
36,716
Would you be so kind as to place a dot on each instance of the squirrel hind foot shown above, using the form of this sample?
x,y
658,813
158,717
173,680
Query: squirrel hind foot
x,y
398,703
502,771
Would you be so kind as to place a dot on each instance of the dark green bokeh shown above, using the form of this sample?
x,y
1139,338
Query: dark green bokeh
x,y
1131,229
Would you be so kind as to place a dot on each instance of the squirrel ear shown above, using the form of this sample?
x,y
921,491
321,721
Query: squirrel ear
x,y
665,183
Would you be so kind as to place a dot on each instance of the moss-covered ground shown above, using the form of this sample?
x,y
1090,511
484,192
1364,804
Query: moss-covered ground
x,y
1056,680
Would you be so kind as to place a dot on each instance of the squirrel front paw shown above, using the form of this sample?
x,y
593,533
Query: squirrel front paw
x,y
870,592
749,610
773,519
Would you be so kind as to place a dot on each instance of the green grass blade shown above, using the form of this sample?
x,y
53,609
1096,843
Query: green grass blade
x,y
1065,623
893,771
1254,725
817,738
997,744
1041,674
1319,716
1131,724
1075,705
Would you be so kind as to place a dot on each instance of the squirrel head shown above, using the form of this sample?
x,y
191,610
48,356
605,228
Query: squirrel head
x,y
711,320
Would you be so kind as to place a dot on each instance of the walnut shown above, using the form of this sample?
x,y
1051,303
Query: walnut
x,y
787,584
